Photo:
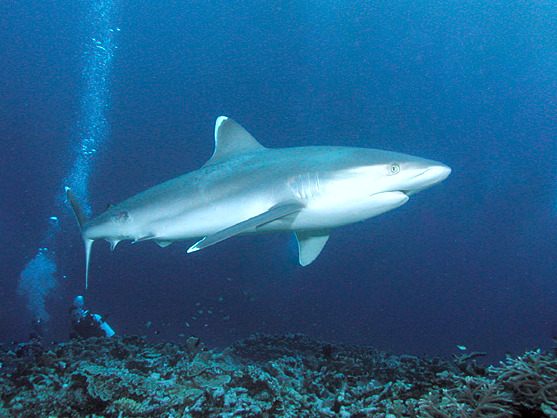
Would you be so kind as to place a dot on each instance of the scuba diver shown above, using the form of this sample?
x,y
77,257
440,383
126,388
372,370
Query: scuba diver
x,y
37,329
86,324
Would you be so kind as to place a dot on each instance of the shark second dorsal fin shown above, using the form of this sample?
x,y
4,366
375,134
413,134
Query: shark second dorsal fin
x,y
231,140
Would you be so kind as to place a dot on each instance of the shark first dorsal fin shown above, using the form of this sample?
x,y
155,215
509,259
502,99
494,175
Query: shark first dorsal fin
x,y
231,140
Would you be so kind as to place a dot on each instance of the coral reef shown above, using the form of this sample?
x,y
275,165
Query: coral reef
x,y
263,376
474,398
532,379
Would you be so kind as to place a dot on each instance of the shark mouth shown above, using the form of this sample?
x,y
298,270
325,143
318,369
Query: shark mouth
x,y
426,179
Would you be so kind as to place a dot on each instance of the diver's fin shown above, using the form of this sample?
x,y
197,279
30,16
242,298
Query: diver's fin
x,y
310,244
231,140
272,214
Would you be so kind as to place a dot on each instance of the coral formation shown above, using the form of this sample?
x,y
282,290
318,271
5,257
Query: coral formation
x,y
532,379
474,398
263,376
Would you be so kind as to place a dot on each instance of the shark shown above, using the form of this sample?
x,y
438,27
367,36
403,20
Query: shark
x,y
246,188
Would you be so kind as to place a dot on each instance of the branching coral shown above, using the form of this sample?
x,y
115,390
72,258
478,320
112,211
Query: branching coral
x,y
282,376
477,398
532,378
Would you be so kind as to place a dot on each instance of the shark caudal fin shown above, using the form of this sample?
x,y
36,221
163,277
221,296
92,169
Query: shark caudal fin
x,y
81,220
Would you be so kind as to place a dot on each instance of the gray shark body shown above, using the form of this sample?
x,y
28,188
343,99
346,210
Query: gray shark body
x,y
246,188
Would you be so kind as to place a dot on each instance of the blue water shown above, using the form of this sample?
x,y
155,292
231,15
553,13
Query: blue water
x,y
473,84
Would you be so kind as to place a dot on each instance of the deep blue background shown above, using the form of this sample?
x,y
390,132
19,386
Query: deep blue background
x,y
472,84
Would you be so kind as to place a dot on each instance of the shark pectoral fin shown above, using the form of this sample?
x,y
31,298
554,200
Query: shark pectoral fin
x,y
274,213
310,244
163,244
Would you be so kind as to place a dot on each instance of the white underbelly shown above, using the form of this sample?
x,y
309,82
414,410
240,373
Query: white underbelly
x,y
331,214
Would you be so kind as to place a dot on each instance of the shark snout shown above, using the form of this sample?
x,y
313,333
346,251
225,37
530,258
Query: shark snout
x,y
437,173
430,176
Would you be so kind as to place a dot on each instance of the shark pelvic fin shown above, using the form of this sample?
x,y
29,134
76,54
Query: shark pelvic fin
x,y
163,244
231,140
310,244
145,238
274,213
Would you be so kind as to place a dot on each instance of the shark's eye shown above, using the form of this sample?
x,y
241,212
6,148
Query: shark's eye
x,y
394,168
121,216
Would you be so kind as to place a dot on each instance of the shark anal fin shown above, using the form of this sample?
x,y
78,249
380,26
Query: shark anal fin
x,y
310,244
272,214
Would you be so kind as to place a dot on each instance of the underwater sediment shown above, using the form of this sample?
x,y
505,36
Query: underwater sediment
x,y
264,376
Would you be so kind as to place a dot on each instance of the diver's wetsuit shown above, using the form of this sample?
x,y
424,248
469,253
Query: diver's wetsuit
x,y
87,326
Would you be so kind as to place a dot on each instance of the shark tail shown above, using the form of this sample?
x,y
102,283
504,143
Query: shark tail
x,y
81,220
